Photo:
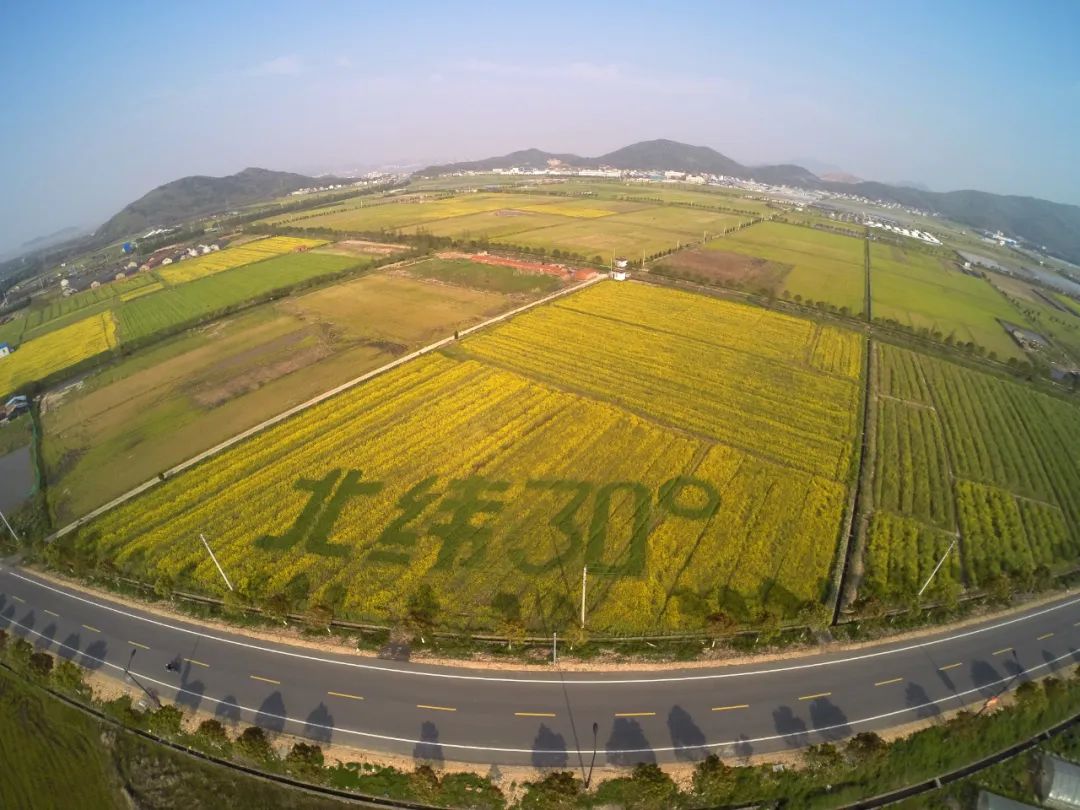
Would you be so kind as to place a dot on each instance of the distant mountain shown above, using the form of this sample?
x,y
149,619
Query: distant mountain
x,y
911,184
678,157
54,238
656,155
1050,225
1053,226
839,177
196,196
525,158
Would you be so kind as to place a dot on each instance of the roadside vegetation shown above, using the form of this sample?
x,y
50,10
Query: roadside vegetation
x,y
53,749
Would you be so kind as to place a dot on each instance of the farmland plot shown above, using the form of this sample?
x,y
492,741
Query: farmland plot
x,y
987,460
495,474
37,359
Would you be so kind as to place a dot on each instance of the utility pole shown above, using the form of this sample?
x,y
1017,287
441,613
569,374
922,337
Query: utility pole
x,y
212,557
555,647
595,731
4,518
584,578
936,568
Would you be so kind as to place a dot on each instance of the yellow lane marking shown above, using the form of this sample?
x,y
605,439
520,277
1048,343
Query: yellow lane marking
x,y
344,695
1003,650
1044,636
947,667
815,697
201,664
635,714
890,681
435,708
137,644
731,708
57,615
91,629
534,714
266,680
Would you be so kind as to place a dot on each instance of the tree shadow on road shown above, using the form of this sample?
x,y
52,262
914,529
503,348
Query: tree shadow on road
x,y
986,678
319,724
428,751
627,744
228,710
792,727
686,736
93,657
47,637
828,720
917,698
549,749
271,713
70,648
191,693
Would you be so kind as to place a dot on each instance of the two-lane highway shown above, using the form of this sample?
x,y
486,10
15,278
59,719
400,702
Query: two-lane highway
x,y
537,717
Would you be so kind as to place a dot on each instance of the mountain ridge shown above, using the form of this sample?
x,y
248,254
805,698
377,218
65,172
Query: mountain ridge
x,y
201,195
1051,225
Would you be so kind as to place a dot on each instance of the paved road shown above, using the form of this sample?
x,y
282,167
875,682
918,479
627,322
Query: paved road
x,y
544,718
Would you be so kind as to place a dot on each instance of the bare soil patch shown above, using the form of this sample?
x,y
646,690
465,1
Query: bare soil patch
x,y
362,247
726,269
554,269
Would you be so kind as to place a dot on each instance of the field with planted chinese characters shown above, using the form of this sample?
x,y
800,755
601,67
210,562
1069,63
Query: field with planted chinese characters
x,y
695,454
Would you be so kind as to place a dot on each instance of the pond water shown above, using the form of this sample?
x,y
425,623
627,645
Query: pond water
x,y
16,478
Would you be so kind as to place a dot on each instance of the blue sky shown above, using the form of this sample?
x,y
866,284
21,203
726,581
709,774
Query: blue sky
x,y
103,102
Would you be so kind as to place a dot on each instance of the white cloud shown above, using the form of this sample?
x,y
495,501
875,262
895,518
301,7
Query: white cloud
x,y
289,65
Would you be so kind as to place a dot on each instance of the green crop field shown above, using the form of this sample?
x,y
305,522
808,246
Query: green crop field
x,y
961,454
62,311
694,453
921,290
187,303
51,752
825,266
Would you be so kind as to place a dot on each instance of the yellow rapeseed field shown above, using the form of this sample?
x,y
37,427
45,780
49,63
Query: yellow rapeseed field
x,y
691,452
227,259
38,358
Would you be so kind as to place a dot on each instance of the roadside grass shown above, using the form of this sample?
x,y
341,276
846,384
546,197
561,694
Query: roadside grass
x,y
51,753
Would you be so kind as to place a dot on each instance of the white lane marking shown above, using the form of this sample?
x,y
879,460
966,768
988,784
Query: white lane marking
x,y
577,752
553,681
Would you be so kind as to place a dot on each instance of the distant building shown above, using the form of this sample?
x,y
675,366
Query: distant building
x,y
166,260
620,275
5,349
621,264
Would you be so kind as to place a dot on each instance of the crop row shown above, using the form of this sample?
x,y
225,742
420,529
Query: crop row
x,y
901,555
999,455
661,366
